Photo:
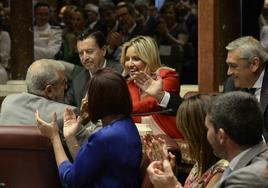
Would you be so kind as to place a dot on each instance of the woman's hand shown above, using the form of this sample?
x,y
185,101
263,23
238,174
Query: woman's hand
x,y
84,118
49,130
71,123
155,149
153,87
161,175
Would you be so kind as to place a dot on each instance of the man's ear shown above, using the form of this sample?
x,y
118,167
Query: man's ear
x,y
222,136
48,91
255,64
104,50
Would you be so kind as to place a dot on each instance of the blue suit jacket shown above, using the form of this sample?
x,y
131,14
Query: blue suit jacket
x,y
110,158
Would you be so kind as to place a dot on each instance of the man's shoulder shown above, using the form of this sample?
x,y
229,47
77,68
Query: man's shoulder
x,y
14,97
167,72
33,99
82,76
252,175
115,65
252,171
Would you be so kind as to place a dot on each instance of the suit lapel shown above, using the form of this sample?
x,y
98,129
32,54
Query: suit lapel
x,y
253,152
264,90
245,160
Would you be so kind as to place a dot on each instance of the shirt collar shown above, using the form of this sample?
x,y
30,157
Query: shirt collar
x,y
237,158
103,66
132,28
258,83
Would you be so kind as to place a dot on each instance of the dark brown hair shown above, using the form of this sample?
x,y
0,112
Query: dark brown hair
x,y
108,95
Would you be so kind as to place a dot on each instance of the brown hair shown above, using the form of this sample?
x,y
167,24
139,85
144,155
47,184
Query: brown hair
x,y
191,122
108,95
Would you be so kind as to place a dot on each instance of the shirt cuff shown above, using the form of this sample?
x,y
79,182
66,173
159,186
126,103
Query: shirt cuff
x,y
164,101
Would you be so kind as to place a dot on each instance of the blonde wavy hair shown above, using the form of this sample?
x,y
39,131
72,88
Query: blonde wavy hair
x,y
147,50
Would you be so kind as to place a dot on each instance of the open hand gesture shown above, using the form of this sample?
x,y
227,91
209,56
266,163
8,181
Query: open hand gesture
x,y
153,87
71,123
49,130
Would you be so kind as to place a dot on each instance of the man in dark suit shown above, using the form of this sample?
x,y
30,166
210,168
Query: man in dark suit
x,y
91,46
246,60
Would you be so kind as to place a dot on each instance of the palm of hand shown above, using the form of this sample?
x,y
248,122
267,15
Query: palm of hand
x,y
71,123
49,130
84,111
153,86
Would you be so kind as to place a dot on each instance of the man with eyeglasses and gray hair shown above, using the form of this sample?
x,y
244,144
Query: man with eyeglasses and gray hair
x,y
45,82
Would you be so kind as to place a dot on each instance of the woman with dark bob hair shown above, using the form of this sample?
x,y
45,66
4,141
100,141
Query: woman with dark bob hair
x,y
112,155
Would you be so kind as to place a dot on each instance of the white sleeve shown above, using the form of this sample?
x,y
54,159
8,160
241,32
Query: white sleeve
x,y
54,44
165,100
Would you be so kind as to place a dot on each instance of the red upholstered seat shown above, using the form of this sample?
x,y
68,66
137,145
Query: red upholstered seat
x,y
26,158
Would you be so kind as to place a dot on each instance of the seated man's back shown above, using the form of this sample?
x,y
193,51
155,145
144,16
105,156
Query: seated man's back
x,y
19,109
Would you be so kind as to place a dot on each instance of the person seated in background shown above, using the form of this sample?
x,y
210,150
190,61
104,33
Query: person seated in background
x,y
91,46
47,38
141,54
114,38
111,156
234,124
5,47
79,21
190,121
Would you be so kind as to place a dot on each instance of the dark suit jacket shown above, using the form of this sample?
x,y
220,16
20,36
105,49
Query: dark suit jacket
x,y
174,103
229,86
79,86
249,171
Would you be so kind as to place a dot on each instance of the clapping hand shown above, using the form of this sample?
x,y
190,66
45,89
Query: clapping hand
x,y
160,169
156,149
49,130
84,111
71,123
153,87
161,175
